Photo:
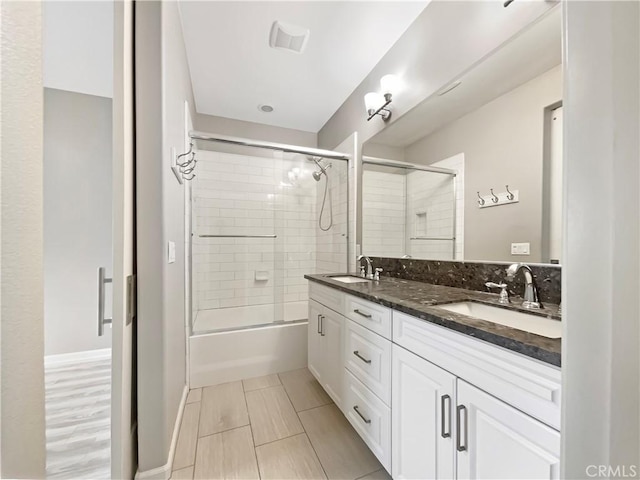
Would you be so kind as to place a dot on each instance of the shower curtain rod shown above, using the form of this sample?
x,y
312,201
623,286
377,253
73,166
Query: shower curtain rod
x,y
195,135
395,163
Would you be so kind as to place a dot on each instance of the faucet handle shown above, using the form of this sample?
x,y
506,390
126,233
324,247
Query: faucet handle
x,y
504,295
376,276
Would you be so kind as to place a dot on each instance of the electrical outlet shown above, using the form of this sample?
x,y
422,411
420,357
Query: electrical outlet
x,y
520,248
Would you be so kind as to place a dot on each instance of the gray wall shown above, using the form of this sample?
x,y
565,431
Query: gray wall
x,y
22,438
162,86
77,217
502,144
433,51
256,131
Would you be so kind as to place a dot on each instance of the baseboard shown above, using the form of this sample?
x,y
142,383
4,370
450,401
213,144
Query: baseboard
x,y
77,357
164,471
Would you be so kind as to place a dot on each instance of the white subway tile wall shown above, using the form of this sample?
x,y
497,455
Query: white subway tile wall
x,y
383,212
244,195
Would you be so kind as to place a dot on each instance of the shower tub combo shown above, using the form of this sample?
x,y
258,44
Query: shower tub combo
x,y
262,216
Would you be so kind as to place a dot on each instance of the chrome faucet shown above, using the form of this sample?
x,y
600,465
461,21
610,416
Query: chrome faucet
x,y
530,291
369,267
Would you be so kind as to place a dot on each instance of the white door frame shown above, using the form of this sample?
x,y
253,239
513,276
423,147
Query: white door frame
x,y
123,426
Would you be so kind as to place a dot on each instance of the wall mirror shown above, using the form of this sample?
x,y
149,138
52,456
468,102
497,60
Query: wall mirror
x,y
474,172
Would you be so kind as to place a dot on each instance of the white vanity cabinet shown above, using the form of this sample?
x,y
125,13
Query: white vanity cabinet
x,y
495,440
325,346
445,427
431,402
423,399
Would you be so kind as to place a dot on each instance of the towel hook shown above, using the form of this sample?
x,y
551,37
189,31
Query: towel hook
x,y
494,198
190,152
510,195
480,200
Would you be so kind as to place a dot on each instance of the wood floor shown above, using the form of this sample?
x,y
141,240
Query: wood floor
x,y
276,427
78,416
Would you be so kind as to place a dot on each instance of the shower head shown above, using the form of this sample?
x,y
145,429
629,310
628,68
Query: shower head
x,y
323,170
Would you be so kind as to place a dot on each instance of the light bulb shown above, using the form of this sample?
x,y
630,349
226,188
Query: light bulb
x,y
390,84
373,101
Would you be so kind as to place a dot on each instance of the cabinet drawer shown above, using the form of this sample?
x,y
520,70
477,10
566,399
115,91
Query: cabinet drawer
x,y
368,357
327,296
370,417
368,314
529,385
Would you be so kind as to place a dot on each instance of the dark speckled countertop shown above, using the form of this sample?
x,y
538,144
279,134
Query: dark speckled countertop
x,y
420,300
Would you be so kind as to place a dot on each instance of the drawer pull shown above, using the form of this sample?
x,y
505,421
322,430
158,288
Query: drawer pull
x,y
357,354
460,447
445,416
366,420
365,315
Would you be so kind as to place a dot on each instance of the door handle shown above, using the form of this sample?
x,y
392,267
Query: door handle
x,y
102,280
322,325
459,446
445,416
318,329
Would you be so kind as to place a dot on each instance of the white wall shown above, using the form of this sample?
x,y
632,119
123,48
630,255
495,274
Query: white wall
x,y
255,131
21,294
601,258
77,218
78,46
503,144
162,87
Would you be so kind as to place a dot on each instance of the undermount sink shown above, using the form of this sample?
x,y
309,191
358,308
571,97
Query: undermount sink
x,y
545,327
349,279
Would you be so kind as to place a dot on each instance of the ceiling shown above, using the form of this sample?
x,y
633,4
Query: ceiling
x,y
233,69
78,46
535,50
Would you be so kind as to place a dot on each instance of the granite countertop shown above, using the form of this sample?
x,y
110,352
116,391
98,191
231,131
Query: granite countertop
x,y
421,299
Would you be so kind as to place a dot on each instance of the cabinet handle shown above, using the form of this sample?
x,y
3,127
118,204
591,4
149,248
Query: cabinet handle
x,y
459,446
445,416
357,354
318,329
322,325
365,315
366,420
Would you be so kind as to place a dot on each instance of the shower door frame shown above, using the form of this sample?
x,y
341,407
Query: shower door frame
x,y
425,168
286,148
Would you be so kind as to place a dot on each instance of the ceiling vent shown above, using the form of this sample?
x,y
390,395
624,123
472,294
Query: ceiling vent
x,y
288,37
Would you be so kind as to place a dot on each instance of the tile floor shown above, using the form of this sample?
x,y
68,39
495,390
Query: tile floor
x,y
78,419
275,427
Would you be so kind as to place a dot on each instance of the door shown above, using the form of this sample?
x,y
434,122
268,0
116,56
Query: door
x,y
123,428
315,355
331,327
498,441
423,398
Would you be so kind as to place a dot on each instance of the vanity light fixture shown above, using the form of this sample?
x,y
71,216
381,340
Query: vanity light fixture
x,y
376,103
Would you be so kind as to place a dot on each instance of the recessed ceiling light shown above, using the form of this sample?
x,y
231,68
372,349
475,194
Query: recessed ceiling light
x,y
265,108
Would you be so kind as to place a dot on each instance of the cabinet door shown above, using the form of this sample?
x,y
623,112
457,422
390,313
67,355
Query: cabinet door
x,y
332,333
315,353
498,441
422,399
